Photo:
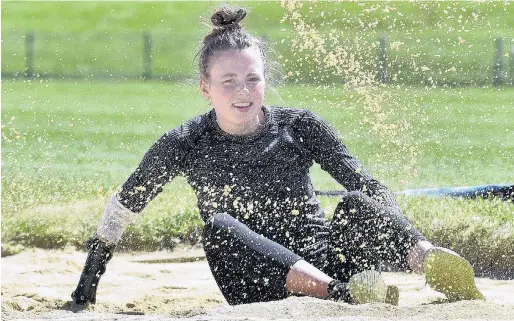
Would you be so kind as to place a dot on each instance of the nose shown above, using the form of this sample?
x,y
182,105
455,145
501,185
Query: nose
x,y
244,89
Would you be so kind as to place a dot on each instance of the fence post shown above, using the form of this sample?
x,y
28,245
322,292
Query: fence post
x,y
147,55
511,62
29,54
497,67
382,61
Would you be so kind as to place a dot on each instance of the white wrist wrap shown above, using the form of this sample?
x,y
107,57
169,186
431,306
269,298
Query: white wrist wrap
x,y
115,219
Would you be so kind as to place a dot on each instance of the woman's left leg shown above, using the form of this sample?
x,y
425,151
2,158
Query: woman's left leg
x,y
365,233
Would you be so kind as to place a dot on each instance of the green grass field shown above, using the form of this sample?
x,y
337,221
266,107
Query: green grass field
x,y
89,129
441,42
68,145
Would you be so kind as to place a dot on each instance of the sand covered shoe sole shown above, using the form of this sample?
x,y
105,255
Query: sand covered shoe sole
x,y
450,274
369,287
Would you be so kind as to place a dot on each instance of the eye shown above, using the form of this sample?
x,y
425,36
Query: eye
x,y
254,79
228,81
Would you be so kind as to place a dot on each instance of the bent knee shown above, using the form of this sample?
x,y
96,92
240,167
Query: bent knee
x,y
351,205
354,197
219,221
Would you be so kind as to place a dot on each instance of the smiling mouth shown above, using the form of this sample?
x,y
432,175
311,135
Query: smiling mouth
x,y
242,105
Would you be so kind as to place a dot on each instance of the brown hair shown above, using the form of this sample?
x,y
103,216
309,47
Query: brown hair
x,y
228,33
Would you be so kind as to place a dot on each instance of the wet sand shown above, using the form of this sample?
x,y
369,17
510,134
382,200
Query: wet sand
x,y
36,285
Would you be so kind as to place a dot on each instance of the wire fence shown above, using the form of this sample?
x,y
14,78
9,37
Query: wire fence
x,y
149,56
130,55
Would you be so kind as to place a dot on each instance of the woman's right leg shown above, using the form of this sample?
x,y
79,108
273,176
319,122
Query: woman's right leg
x,y
251,268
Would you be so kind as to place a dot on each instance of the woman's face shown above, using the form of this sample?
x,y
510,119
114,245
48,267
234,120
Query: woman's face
x,y
236,89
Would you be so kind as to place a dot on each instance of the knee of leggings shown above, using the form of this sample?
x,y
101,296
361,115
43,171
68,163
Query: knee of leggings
x,y
349,204
353,195
353,198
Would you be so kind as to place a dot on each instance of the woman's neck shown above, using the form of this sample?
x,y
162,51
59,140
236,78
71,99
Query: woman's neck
x,y
245,129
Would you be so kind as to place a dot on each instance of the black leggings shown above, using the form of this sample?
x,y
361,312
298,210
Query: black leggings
x,y
251,268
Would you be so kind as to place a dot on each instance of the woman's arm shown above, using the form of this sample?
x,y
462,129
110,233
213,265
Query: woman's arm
x,y
160,164
328,150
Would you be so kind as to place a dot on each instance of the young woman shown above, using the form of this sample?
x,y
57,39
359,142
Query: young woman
x,y
265,234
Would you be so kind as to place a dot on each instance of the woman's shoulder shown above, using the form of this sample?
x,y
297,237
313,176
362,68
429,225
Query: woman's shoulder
x,y
291,115
190,129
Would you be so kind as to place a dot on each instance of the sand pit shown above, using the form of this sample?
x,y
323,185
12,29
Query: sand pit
x,y
36,285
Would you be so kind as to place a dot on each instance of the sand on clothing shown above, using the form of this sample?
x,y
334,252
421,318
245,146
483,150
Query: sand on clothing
x,y
36,285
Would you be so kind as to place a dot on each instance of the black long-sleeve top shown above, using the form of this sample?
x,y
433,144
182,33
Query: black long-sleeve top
x,y
262,179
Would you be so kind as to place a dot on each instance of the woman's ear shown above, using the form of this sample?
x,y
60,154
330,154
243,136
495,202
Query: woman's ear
x,y
204,88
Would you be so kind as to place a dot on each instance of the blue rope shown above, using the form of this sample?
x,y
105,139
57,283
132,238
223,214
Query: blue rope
x,y
504,191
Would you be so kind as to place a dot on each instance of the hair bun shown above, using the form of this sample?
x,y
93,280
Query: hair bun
x,y
228,17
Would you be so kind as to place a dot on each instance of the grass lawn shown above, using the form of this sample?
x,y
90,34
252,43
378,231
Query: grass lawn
x,y
100,130
68,145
